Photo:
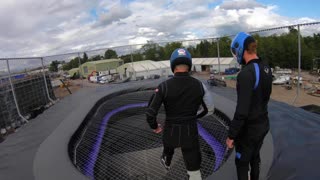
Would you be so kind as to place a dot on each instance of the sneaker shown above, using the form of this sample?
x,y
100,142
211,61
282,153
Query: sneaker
x,y
194,175
164,162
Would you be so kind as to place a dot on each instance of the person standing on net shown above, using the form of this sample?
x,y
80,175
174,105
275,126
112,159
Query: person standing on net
x,y
250,123
181,95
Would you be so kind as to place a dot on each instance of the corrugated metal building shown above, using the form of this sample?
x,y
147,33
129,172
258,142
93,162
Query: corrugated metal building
x,y
73,70
101,65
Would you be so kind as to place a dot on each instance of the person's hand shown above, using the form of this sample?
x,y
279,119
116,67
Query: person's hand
x,y
158,130
229,143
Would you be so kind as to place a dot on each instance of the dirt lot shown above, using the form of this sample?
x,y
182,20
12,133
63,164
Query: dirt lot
x,y
279,93
73,85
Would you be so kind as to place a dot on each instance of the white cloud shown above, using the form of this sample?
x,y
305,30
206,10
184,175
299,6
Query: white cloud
x,y
34,27
241,4
139,40
146,30
115,14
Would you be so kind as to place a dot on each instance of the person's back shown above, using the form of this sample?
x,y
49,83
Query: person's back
x,y
257,122
182,96
250,123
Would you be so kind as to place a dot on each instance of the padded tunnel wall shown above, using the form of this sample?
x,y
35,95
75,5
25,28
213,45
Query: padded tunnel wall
x,y
114,141
83,126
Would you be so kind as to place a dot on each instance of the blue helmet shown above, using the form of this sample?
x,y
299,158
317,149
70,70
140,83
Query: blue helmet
x,y
238,46
180,56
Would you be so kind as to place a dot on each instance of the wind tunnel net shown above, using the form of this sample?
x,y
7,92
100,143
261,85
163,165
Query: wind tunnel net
x,y
117,142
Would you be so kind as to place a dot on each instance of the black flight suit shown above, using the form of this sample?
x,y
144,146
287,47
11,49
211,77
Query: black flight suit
x,y
182,96
250,123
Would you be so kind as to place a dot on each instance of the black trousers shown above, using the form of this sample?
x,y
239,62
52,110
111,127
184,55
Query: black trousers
x,y
186,137
248,153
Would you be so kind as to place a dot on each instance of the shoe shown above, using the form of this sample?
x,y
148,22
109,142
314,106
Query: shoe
x,y
164,162
194,175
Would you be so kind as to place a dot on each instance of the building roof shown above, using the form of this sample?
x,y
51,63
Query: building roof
x,y
147,65
213,61
104,61
165,62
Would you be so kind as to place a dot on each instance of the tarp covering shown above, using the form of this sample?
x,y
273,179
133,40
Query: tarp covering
x,y
214,61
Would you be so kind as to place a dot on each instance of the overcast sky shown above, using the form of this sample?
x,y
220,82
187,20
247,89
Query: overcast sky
x,y
46,27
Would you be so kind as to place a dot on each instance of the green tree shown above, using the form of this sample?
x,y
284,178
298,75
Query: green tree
x,y
151,51
109,54
204,47
54,66
75,62
213,50
279,49
193,51
224,46
66,67
136,56
85,58
169,48
96,58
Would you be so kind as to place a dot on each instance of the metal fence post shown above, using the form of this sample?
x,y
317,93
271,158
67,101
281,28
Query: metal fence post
x,y
131,57
45,82
218,49
14,94
299,65
80,69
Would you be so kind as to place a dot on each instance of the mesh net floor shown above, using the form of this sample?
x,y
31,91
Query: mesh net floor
x,y
119,144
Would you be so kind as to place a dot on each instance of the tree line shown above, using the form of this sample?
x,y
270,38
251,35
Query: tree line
x,y
278,49
75,62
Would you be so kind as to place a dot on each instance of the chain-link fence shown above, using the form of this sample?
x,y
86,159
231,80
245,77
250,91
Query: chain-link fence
x,y
29,85
26,91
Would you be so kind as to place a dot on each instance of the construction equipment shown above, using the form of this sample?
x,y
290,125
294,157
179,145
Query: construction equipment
x,y
65,84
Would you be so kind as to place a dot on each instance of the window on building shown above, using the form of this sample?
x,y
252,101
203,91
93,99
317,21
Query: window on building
x,y
85,69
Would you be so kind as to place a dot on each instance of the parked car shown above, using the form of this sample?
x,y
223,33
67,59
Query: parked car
x,y
213,71
154,76
216,82
281,80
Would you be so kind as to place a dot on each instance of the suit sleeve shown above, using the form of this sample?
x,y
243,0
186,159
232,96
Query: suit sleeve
x,y
244,91
204,110
154,106
207,103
